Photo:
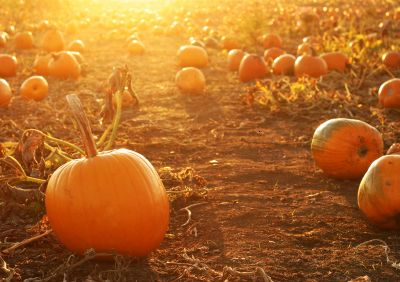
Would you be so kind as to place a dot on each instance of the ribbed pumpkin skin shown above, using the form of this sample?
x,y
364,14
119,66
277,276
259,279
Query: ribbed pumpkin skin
x,y
113,202
379,192
345,148
192,56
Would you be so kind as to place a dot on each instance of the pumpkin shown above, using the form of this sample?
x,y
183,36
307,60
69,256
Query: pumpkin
x,y
307,65
136,47
41,64
335,61
112,201
77,46
304,48
271,40
389,93
379,192
196,42
192,56
229,43
391,59
35,88
24,40
64,65
211,42
272,53
394,149
3,39
252,67
5,93
8,65
284,65
235,56
190,80
344,148
53,41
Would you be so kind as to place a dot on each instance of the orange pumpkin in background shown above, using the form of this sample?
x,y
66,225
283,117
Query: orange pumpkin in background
x,y
5,93
284,65
252,67
229,43
272,53
271,40
336,61
307,65
3,39
304,48
64,65
391,59
8,65
235,56
192,56
190,80
41,64
136,47
24,40
344,148
53,41
379,192
77,46
389,93
112,201
34,88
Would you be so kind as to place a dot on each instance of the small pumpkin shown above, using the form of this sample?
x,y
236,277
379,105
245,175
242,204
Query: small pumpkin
x,y
24,40
64,65
307,65
41,64
284,65
229,43
136,47
389,93
235,56
190,80
252,67
271,40
192,56
304,48
34,88
53,41
335,61
379,192
5,93
391,59
8,65
112,201
344,148
272,53
77,46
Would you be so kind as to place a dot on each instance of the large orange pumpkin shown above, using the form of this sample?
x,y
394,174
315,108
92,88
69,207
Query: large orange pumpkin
x,y
24,40
41,64
64,65
53,41
192,56
8,65
284,65
391,59
35,88
271,40
235,56
190,80
389,93
252,67
345,148
379,192
5,93
112,201
307,65
335,61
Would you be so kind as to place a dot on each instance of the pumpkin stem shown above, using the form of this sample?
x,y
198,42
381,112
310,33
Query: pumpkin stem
x,y
79,114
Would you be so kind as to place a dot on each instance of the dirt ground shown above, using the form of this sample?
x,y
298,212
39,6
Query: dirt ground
x,y
262,203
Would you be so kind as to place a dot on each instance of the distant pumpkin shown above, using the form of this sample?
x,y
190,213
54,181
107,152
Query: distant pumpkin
x,y
335,61
345,148
8,65
235,56
307,65
136,47
77,46
272,53
41,64
24,40
284,65
190,80
389,93
391,59
229,43
53,41
34,88
192,56
64,65
5,93
252,67
271,40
